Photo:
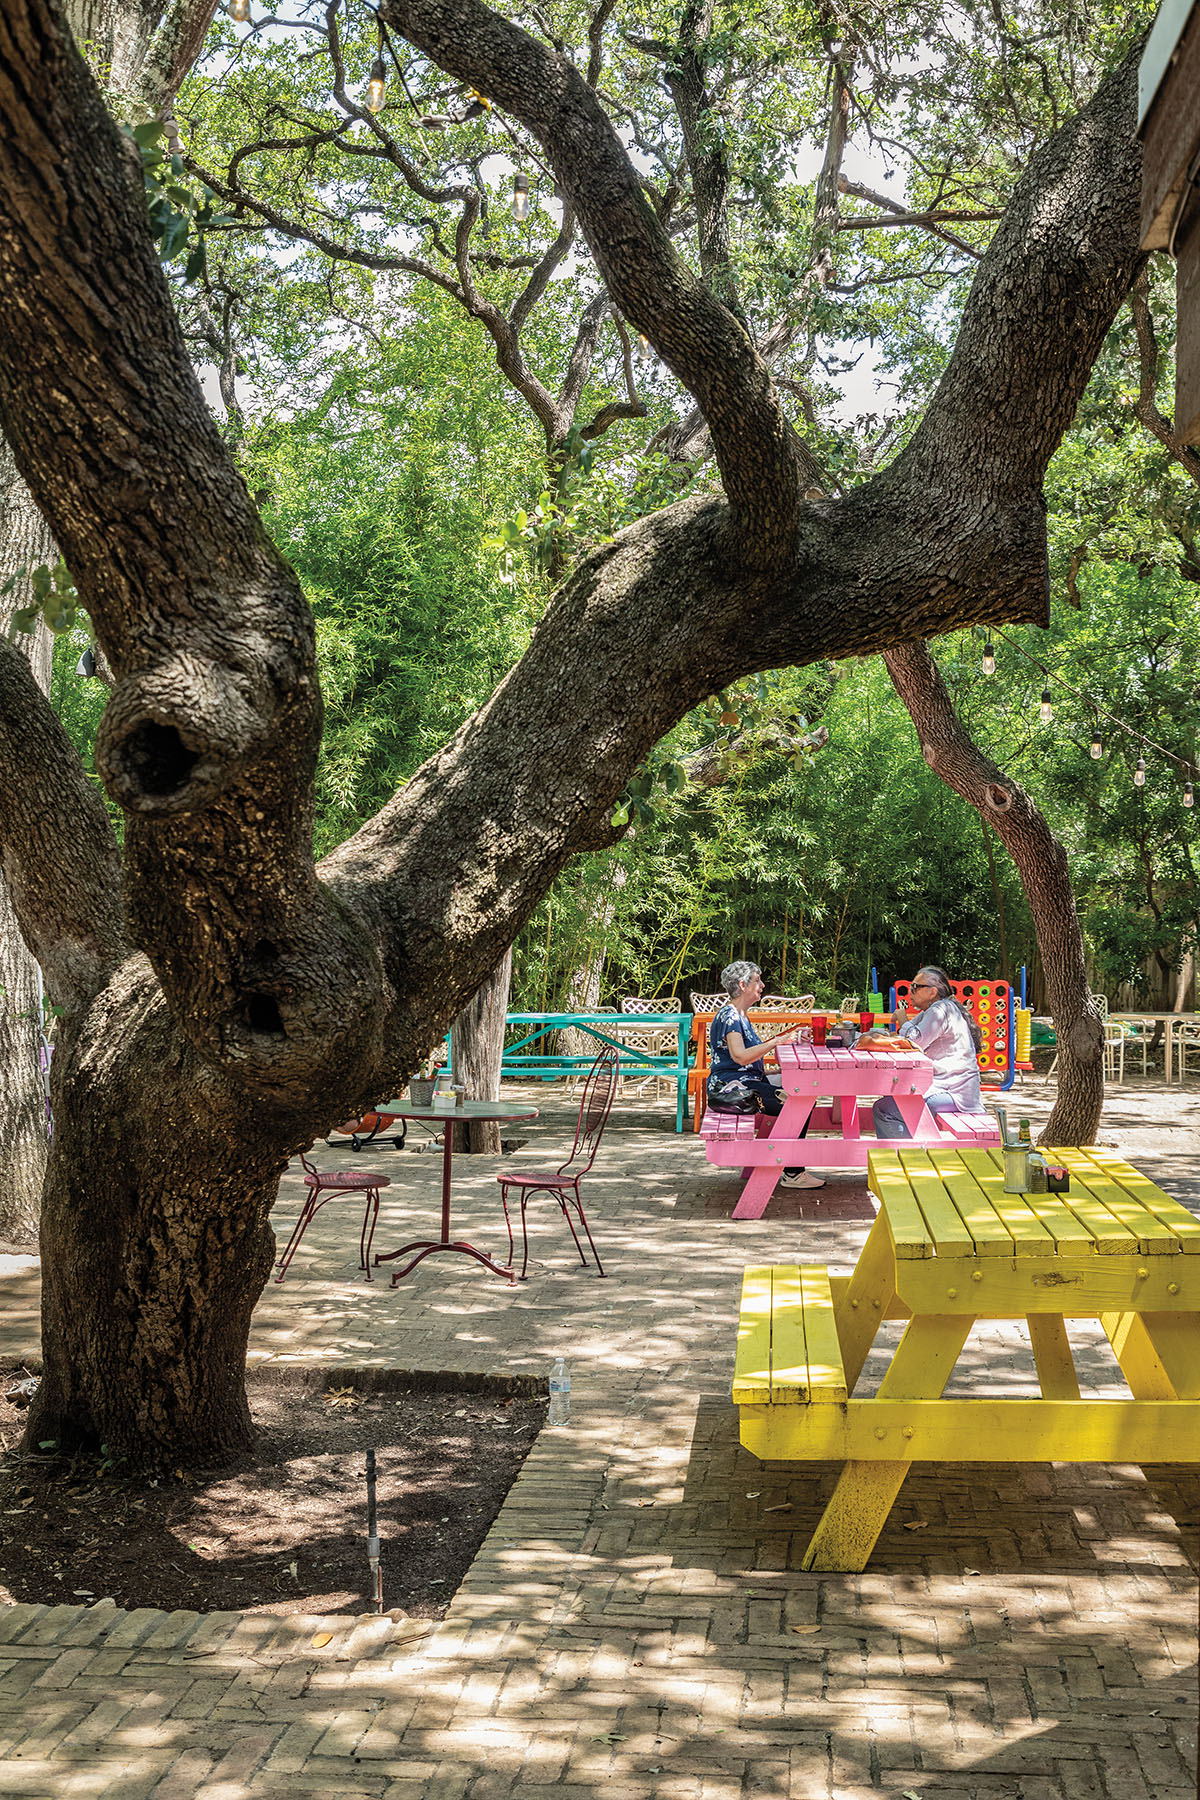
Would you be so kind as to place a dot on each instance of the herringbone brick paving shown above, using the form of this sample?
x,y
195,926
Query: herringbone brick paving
x,y
636,1624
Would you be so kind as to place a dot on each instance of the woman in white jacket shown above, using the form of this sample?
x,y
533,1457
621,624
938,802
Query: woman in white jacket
x,y
946,1033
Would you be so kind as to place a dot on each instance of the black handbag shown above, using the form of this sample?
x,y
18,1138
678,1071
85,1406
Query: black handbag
x,y
734,1097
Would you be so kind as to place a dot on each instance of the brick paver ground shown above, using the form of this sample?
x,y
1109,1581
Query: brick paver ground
x,y
636,1624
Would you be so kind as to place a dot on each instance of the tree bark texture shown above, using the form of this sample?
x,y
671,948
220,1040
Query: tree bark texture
x,y
1042,863
229,1001
478,1053
23,1134
24,543
156,1238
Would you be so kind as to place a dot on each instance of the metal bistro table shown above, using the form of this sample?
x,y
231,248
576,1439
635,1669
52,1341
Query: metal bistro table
x,y
473,1109
523,1063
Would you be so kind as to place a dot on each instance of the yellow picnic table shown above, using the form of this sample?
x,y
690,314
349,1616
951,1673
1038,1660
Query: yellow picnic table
x,y
948,1247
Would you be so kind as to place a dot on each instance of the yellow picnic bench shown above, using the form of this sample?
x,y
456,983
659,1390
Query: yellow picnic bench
x,y
948,1247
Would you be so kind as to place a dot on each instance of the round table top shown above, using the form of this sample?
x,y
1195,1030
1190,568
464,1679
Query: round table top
x,y
471,1109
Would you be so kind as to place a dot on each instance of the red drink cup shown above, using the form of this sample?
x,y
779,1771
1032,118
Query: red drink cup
x,y
818,1028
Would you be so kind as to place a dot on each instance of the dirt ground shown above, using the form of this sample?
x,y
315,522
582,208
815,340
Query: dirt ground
x,y
284,1530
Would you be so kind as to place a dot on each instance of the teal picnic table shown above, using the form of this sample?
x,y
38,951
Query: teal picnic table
x,y
529,1059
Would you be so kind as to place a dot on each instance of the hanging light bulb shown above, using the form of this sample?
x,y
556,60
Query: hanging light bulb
x,y
1139,772
376,86
239,11
1189,796
520,197
1046,709
1097,745
989,660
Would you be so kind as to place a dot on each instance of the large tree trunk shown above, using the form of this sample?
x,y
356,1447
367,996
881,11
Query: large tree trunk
x,y
155,1241
1042,863
478,1053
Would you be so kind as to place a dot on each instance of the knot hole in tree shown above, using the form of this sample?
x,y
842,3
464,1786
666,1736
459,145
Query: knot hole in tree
x,y
998,798
158,760
263,1015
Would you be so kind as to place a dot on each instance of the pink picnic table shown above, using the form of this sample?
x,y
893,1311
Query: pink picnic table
x,y
768,1146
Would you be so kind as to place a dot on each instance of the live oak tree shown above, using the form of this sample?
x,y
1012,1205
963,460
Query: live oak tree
x,y
223,1000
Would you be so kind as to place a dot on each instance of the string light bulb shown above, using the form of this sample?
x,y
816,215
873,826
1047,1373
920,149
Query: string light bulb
x,y
376,86
989,659
1097,747
1139,772
1189,795
520,198
1047,708
239,11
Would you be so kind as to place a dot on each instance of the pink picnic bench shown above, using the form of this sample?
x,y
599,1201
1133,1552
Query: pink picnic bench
x,y
764,1147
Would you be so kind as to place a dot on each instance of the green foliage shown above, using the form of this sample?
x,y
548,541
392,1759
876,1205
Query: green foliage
x,y
180,213
54,598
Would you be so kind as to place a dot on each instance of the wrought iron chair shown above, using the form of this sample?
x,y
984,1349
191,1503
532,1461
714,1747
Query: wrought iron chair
x,y
328,1186
564,1182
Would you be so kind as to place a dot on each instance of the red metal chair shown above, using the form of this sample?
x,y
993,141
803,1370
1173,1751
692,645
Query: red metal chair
x,y
327,1186
564,1182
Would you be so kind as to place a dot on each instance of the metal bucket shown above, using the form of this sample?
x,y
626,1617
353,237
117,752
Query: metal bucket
x,y
1016,1169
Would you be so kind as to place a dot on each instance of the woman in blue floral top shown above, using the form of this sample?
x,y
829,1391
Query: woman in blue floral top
x,y
737,1054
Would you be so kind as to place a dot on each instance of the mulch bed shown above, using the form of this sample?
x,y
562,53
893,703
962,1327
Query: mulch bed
x,y
280,1531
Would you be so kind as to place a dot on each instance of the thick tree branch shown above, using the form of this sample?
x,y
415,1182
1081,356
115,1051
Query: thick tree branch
x,y
1146,407
707,162
58,855
173,49
1069,229
1042,863
863,222
701,341
688,441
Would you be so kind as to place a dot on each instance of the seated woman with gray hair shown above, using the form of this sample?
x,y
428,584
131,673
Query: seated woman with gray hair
x,y
737,1055
947,1034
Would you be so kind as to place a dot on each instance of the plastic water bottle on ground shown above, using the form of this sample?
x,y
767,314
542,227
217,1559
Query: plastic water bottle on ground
x,y
560,1394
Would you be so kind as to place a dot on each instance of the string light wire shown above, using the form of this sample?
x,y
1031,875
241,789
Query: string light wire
x,y
1181,762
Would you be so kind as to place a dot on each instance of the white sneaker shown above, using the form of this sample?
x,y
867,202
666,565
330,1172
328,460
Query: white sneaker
x,y
801,1179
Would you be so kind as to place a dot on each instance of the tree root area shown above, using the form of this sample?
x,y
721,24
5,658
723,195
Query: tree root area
x,y
283,1530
